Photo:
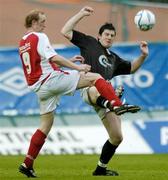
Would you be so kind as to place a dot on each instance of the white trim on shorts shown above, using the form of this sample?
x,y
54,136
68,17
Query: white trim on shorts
x,y
57,84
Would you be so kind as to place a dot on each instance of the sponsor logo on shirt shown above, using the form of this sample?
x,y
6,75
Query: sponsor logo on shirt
x,y
104,61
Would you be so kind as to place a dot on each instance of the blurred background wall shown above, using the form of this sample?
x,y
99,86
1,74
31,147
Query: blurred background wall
x,y
120,13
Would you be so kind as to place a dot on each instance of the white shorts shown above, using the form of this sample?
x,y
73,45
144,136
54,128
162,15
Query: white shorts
x,y
57,84
100,111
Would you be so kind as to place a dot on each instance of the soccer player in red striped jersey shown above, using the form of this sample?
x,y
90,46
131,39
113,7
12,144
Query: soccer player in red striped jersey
x,y
41,65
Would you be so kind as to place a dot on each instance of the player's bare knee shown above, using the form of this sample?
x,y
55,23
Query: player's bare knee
x,y
116,140
97,76
93,77
93,94
46,122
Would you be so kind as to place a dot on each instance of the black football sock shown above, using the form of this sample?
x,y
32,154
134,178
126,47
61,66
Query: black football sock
x,y
108,151
104,103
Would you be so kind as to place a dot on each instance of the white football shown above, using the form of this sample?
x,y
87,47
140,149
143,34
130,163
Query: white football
x,y
145,20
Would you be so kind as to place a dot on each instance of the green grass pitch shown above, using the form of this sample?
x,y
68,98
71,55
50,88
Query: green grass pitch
x,y
76,167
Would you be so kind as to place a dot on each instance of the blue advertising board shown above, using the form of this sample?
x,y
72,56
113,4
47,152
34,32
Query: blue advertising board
x,y
147,87
155,133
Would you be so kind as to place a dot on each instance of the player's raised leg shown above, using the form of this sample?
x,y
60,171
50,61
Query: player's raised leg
x,y
106,90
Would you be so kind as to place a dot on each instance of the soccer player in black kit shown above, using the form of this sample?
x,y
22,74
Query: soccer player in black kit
x,y
105,62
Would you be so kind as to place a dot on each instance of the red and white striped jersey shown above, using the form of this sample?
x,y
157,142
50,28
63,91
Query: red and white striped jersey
x,y
35,51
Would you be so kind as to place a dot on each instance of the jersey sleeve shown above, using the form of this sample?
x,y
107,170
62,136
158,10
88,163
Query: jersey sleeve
x,y
124,66
80,39
44,47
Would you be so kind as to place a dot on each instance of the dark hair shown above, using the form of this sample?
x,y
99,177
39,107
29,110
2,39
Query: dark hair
x,y
33,15
108,26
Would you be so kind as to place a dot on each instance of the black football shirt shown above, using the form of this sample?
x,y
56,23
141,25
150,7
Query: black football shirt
x,y
102,61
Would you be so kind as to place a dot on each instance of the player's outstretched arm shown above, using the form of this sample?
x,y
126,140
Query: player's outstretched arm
x,y
71,23
136,64
61,61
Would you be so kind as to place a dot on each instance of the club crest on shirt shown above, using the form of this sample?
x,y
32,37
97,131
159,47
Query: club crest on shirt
x,y
104,61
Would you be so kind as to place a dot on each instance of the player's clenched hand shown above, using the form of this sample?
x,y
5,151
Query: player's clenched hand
x,y
84,67
77,58
144,48
86,11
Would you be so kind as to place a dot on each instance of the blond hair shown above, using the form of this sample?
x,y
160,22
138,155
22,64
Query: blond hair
x,y
32,15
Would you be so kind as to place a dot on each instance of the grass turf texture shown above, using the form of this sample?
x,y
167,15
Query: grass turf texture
x,y
80,167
